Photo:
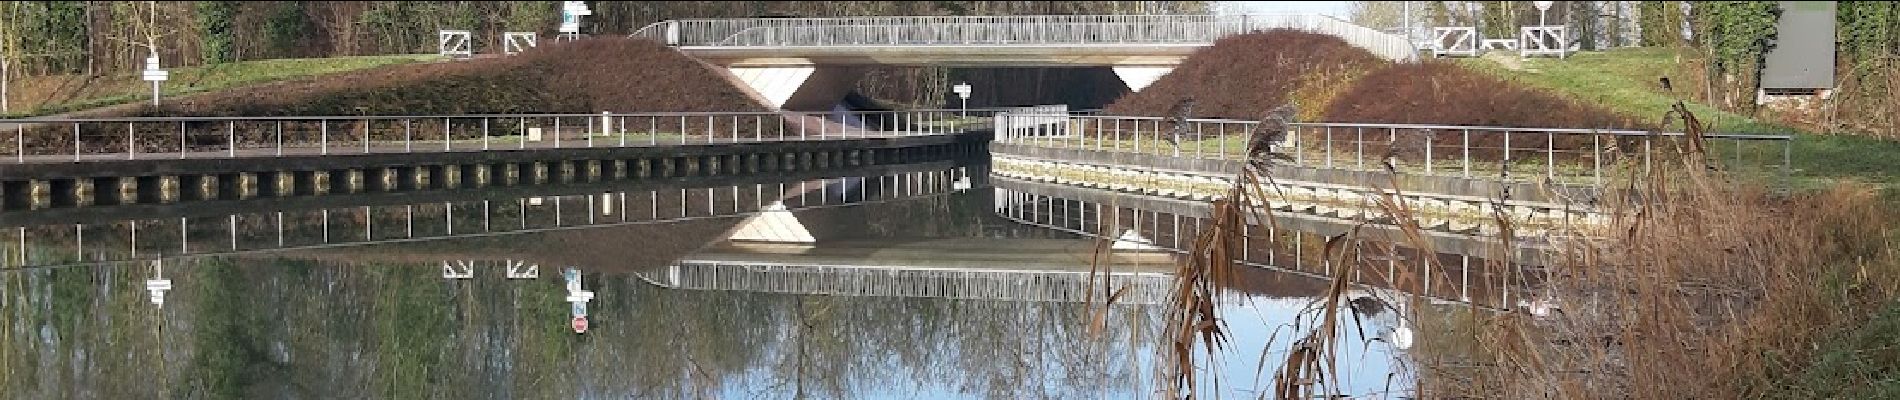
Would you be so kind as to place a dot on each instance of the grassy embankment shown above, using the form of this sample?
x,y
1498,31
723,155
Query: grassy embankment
x,y
1627,81
45,95
1809,298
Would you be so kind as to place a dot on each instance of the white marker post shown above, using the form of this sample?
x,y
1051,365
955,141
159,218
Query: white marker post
x,y
155,75
1542,8
571,12
963,91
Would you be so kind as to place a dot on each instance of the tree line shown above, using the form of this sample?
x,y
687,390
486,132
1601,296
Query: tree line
x,y
94,37
1728,39
114,37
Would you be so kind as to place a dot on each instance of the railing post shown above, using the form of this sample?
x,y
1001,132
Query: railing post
x,y
278,132
19,143
556,134
230,132
1648,137
181,140
76,144
1299,145
1787,161
1197,138
1429,136
1466,148
1550,155
131,143
323,137
1596,157
366,132
408,135
445,134
1359,148
1329,147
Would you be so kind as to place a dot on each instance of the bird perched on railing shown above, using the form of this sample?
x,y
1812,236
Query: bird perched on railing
x,y
1179,115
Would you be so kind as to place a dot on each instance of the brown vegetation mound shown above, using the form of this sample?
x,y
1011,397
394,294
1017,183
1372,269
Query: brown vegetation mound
x,y
1444,93
592,75
1327,79
1242,76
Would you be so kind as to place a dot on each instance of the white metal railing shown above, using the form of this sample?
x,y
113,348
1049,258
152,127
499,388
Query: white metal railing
x,y
1551,40
1459,41
58,140
1508,153
1046,120
1009,30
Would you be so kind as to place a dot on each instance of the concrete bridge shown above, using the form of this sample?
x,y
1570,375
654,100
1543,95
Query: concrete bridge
x,y
808,63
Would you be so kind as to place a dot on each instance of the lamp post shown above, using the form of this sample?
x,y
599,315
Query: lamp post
x,y
963,91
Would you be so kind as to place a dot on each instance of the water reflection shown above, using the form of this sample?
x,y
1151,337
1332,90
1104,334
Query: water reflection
x,y
907,288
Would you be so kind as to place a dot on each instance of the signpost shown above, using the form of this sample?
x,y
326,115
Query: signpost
x,y
577,298
154,75
963,91
571,12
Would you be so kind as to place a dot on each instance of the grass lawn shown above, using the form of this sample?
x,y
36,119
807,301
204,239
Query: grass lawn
x,y
1626,81
43,95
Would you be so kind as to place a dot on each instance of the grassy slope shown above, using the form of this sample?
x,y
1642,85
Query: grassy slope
x,y
64,93
1625,80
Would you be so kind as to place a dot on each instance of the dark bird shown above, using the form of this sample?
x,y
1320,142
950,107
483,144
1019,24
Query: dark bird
x,y
1180,114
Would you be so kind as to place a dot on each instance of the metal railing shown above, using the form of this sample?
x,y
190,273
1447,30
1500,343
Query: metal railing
x,y
1507,153
1010,30
100,139
907,281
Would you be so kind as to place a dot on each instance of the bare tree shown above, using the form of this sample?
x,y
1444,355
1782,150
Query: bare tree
x,y
145,29
9,48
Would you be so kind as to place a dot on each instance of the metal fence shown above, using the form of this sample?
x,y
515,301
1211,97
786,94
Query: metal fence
x,y
97,139
1562,155
1009,30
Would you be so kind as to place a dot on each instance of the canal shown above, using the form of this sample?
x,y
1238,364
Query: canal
x,y
936,281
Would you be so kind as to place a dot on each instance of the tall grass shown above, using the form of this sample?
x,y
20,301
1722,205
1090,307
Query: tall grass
x,y
1700,286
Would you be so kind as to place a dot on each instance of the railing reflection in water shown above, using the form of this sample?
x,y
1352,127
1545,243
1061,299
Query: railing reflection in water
x,y
160,237
1481,282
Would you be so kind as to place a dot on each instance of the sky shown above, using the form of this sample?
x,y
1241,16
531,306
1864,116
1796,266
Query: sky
x,y
1333,8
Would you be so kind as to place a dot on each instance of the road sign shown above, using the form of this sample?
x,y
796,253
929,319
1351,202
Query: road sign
x,y
580,324
571,12
1543,5
963,90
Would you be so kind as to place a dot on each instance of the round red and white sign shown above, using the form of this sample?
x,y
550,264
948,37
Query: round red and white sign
x,y
580,324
